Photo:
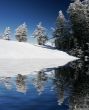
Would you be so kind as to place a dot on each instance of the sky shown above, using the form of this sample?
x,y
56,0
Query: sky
x,y
15,12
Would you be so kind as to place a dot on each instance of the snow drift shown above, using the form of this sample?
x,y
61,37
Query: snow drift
x,y
23,58
20,50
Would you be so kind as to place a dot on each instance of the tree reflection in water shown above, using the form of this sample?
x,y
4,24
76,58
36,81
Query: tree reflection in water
x,y
80,98
21,83
6,81
70,84
39,81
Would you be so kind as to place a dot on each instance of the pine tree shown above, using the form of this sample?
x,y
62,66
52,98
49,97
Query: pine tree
x,y
79,16
21,33
61,32
40,34
7,34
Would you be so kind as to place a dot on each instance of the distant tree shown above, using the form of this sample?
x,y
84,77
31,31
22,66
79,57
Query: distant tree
x,y
61,32
7,34
21,33
40,34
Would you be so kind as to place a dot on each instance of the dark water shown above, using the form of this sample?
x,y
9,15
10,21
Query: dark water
x,y
63,88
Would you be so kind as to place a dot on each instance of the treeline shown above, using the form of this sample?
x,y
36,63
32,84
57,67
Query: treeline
x,y
21,34
72,35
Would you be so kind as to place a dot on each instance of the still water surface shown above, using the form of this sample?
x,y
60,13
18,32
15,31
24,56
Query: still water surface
x,y
62,88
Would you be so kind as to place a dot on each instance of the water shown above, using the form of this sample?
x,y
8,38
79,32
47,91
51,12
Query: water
x,y
62,88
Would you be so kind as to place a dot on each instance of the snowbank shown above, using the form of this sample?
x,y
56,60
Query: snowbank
x,y
20,50
24,58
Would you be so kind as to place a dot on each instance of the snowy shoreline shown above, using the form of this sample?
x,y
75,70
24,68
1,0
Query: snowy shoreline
x,y
24,58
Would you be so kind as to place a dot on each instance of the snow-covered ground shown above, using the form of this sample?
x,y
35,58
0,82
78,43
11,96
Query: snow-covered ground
x,y
23,58
20,50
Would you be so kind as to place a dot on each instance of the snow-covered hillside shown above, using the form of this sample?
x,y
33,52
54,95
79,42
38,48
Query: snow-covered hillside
x,y
24,58
20,50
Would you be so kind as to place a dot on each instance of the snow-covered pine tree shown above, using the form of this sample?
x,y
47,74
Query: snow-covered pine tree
x,y
79,16
40,34
61,31
21,33
7,34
